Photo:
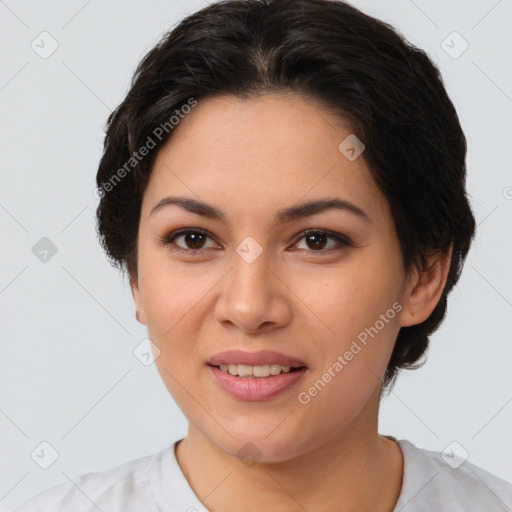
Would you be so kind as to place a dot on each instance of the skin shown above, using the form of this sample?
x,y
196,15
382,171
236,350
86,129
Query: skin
x,y
250,158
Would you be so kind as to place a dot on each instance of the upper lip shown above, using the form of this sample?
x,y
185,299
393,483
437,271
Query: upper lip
x,y
254,358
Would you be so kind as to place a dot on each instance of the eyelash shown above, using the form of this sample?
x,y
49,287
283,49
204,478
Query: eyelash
x,y
169,239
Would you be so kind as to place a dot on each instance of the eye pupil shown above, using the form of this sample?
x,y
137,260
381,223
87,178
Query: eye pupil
x,y
194,240
311,237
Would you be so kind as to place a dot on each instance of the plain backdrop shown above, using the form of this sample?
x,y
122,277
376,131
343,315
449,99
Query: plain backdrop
x,y
69,376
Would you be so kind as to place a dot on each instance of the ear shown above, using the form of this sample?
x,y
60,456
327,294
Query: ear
x,y
139,306
425,289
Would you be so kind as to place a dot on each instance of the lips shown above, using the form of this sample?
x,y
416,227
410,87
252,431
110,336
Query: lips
x,y
255,358
255,389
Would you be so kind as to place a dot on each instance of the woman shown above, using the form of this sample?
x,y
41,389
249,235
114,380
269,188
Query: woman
x,y
284,186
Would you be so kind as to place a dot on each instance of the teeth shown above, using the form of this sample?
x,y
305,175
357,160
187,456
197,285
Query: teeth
x,y
244,370
275,369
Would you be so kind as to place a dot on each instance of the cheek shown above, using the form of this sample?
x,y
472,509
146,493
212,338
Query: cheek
x,y
169,301
354,298
352,361
169,290
172,305
359,310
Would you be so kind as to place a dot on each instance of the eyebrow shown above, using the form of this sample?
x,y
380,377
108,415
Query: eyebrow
x,y
297,211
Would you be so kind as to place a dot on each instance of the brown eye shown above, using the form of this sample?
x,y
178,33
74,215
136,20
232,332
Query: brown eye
x,y
188,240
316,241
194,240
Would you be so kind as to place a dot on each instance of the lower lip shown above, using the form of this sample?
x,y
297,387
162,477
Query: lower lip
x,y
256,389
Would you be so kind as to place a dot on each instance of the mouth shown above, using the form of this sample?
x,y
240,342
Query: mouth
x,y
250,388
255,376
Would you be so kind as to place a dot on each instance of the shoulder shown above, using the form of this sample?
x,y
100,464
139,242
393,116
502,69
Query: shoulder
x,y
445,482
125,488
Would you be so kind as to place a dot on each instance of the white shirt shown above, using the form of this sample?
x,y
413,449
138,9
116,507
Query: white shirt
x,y
155,483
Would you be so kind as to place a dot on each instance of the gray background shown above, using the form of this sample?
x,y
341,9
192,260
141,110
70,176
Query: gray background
x,y
68,373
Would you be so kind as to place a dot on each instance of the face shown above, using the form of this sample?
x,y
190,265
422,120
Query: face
x,y
325,289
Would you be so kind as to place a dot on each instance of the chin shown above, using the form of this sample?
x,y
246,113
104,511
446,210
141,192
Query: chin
x,y
259,447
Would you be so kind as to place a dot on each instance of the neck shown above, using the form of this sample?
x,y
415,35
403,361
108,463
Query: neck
x,y
354,470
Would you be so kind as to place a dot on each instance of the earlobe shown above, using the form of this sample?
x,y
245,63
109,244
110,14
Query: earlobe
x,y
425,290
139,307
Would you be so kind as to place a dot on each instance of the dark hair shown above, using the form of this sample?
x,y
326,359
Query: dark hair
x,y
356,66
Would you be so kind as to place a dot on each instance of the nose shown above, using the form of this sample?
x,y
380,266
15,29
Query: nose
x,y
253,297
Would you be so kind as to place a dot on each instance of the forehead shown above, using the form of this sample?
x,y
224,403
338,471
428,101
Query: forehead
x,y
263,152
